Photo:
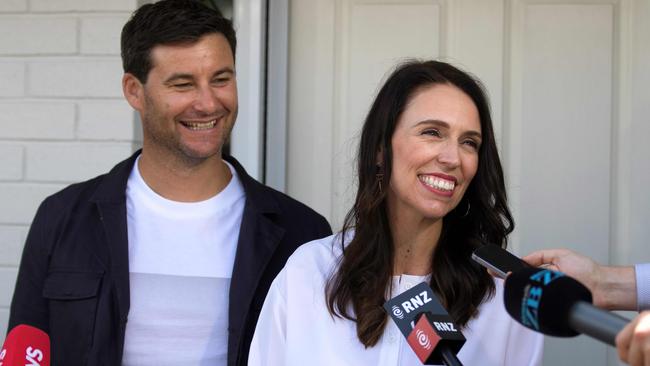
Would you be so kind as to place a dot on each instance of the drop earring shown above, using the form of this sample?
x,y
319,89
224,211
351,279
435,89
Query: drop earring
x,y
379,176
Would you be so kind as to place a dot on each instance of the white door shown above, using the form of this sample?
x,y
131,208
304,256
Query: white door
x,y
567,81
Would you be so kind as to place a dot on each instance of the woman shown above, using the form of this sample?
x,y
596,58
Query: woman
x,y
431,190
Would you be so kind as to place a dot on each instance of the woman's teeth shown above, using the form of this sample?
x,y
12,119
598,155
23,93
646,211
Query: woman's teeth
x,y
437,183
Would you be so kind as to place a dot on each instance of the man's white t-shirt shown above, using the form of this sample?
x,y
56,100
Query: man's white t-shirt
x,y
181,257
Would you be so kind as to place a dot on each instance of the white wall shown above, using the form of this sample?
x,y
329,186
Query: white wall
x,y
568,84
62,115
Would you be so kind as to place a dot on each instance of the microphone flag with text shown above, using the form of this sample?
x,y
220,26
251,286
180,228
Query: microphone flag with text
x,y
426,325
25,346
552,303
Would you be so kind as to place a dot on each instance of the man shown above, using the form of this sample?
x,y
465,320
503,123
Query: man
x,y
167,258
613,288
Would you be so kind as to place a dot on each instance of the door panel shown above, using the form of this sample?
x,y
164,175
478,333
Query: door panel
x,y
372,40
568,84
559,139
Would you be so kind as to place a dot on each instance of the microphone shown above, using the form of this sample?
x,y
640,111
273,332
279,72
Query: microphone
x,y
25,346
552,303
426,325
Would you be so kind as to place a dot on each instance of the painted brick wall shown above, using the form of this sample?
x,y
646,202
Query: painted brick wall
x,y
62,115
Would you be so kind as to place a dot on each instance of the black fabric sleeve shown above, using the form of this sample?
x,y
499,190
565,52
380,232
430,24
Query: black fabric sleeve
x,y
28,305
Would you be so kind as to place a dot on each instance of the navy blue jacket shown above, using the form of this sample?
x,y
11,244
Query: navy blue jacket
x,y
73,281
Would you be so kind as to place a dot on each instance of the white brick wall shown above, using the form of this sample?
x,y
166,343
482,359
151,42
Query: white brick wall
x,y
13,5
62,115
82,160
46,34
4,316
12,75
112,120
11,161
11,244
37,120
100,34
83,5
6,287
75,77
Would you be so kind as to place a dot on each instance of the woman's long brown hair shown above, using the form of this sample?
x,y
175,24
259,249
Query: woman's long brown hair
x,y
358,289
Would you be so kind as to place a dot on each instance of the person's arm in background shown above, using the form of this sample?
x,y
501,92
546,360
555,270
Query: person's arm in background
x,y
28,306
642,286
614,288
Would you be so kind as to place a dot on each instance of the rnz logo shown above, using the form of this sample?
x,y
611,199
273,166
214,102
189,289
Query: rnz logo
x,y
415,302
423,340
399,314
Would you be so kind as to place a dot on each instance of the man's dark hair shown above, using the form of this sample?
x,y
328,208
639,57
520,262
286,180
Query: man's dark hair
x,y
168,22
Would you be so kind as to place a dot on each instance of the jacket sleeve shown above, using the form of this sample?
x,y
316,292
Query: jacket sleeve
x,y
268,347
28,305
642,272
324,228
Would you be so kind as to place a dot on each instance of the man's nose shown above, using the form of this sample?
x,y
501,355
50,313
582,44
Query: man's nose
x,y
206,100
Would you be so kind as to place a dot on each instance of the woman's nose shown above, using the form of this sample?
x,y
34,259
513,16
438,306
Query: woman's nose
x,y
449,154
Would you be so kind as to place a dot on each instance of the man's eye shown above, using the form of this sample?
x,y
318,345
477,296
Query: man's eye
x,y
182,85
221,81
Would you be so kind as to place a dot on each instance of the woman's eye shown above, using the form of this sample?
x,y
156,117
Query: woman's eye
x,y
431,132
471,143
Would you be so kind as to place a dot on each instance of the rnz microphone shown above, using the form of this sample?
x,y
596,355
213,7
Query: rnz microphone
x,y
26,346
554,304
426,325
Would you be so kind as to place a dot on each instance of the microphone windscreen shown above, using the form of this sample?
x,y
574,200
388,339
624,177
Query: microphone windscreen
x,y
541,299
428,328
25,345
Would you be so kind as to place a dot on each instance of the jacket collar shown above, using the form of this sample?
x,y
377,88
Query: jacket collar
x,y
256,193
259,237
112,189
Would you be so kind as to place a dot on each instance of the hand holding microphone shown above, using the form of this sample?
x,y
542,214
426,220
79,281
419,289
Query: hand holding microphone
x,y
25,346
612,287
548,301
552,303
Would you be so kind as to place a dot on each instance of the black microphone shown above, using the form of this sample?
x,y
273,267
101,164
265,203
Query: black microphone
x,y
426,325
552,303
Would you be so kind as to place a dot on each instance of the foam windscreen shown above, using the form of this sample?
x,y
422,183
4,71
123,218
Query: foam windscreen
x,y
542,299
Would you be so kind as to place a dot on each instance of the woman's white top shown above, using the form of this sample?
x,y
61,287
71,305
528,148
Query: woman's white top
x,y
295,327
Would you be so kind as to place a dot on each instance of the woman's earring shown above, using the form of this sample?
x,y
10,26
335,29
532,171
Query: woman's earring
x,y
380,177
